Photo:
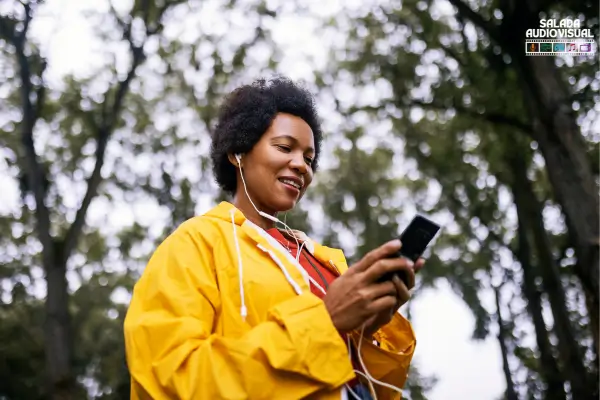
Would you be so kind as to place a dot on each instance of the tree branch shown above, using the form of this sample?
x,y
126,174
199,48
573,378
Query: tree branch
x,y
453,54
106,128
126,28
104,131
477,19
493,118
32,168
40,93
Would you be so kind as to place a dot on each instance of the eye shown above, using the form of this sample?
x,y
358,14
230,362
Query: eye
x,y
283,148
308,160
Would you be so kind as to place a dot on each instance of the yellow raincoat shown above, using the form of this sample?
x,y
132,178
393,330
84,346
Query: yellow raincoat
x,y
193,331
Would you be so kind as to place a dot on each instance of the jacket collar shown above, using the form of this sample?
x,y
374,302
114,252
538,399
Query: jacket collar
x,y
333,259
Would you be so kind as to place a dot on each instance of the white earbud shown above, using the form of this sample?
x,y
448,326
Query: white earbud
x,y
238,157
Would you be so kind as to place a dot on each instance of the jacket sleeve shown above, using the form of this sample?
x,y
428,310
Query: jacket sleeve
x,y
173,351
389,362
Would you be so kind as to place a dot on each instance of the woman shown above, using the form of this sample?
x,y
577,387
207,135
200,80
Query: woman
x,y
228,308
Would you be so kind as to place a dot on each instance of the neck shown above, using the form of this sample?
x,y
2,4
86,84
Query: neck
x,y
241,202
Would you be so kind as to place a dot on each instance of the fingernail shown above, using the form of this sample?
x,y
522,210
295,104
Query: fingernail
x,y
396,243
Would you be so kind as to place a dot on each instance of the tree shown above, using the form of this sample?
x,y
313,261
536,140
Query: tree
x,y
75,150
511,393
530,214
549,369
57,251
453,94
554,124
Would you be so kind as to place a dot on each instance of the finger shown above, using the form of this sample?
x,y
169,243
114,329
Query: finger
x,y
377,290
410,277
388,265
402,292
419,264
371,320
382,303
398,286
373,256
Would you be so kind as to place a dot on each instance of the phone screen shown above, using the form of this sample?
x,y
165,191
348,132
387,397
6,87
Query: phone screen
x,y
417,236
415,239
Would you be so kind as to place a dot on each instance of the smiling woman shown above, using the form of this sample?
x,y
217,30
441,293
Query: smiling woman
x,y
280,166
230,307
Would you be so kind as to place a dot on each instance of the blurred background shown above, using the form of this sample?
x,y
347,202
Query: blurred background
x,y
428,106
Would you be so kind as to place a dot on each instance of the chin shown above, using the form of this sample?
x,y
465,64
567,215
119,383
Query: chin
x,y
283,205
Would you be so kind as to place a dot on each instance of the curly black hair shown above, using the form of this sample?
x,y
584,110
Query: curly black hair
x,y
246,115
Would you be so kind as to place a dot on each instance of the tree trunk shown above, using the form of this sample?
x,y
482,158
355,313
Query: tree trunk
x,y
558,135
502,335
58,334
57,337
549,371
582,386
560,141
570,174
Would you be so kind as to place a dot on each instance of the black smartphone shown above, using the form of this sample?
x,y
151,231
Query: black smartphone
x,y
415,239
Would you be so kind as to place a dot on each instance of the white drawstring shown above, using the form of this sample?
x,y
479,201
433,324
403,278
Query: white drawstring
x,y
287,229
283,269
243,309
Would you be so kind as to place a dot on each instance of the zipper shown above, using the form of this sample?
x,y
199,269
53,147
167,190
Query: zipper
x,y
336,268
317,271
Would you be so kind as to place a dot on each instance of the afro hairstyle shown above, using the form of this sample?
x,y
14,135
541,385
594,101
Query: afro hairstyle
x,y
247,113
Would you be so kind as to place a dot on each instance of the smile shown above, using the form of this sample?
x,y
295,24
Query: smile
x,y
291,183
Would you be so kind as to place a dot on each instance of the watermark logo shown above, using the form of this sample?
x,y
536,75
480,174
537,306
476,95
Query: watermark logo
x,y
559,29
560,37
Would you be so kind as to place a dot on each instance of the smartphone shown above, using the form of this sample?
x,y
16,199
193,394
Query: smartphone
x,y
415,239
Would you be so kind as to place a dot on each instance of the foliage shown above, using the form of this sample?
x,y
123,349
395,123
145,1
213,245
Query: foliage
x,y
106,164
452,87
428,107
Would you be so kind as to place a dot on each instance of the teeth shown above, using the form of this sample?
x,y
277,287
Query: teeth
x,y
292,183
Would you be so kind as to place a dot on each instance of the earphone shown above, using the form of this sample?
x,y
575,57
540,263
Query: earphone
x,y
238,157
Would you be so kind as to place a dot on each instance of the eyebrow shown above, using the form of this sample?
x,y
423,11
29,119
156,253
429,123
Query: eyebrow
x,y
293,139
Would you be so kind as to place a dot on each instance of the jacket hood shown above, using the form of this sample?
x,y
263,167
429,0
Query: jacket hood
x,y
222,211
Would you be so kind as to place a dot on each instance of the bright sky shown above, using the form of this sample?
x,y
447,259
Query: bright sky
x,y
466,370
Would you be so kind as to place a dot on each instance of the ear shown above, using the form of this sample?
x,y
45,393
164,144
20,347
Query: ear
x,y
233,160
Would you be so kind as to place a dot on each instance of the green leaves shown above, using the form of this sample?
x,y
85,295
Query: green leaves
x,y
455,96
123,150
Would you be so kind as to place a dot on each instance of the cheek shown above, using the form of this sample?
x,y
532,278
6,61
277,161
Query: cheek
x,y
308,181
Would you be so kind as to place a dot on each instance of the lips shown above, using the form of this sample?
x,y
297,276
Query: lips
x,y
293,182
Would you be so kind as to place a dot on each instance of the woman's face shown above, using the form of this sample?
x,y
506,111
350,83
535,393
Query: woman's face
x,y
278,168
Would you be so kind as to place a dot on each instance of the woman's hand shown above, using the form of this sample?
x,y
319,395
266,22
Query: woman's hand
x,y
355,297
374,323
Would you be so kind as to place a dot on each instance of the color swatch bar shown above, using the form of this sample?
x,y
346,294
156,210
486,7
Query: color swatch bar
x,y
556,47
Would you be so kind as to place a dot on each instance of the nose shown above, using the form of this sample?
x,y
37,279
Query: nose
x,y
298,164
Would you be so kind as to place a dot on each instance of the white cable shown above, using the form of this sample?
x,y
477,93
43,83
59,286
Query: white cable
x,y
359,372
310,278
357,397
291,233
368,375
269,217
243,309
